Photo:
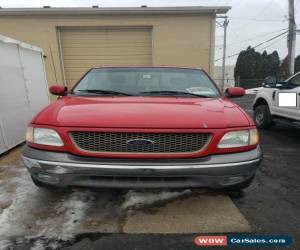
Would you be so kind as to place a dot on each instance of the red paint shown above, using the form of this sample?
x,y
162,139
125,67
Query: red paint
x,y
142,114
235,92
143,66
58,90
212,240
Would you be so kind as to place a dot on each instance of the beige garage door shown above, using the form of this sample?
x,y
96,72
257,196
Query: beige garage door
x,y
83,48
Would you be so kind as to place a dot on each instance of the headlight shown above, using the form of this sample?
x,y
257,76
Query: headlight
x,y
241,138
43,136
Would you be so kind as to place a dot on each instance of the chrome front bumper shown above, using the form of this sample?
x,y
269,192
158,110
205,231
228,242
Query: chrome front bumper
x,y
63,169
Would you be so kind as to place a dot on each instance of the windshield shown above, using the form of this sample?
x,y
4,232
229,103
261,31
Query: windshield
x,y
146,81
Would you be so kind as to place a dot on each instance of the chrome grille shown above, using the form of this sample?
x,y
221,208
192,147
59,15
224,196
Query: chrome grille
x,y
118,142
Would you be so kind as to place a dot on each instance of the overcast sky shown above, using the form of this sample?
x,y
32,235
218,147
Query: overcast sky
x,y
251,21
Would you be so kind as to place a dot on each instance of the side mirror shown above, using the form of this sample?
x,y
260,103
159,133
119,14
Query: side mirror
x,y
58,90
235,92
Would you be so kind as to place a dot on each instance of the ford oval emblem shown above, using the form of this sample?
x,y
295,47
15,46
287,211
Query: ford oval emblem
x,y
140,142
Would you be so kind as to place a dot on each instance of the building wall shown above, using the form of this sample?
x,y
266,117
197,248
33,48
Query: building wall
x,y
181,40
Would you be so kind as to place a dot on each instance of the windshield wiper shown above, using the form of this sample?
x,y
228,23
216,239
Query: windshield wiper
x,y
102,92
172,93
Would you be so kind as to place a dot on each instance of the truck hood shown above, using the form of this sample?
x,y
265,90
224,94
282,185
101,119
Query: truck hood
x,y
142,112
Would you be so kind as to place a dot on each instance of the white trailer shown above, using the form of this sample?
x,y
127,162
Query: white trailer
x,y
23,89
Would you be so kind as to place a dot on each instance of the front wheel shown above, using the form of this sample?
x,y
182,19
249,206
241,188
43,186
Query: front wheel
x,y
262,116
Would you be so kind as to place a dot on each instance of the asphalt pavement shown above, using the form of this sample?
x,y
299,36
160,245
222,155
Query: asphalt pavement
x,y
272,203
157,219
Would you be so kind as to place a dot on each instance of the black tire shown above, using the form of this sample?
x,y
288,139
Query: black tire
x,y
262,116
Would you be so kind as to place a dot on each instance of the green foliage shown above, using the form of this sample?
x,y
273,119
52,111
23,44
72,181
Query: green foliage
x,y
252,66
274,64
283,70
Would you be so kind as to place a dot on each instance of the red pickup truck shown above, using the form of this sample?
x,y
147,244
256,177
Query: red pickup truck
x,y
143,127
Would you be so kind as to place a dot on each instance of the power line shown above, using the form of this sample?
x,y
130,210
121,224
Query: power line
x,y
227,3
237,3
254,47
253,38
278,40
258,13
258,20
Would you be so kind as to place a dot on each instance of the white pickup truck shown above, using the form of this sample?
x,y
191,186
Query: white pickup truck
x,y
277,100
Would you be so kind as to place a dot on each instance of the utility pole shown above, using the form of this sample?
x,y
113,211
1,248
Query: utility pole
x,y
291,38
225,24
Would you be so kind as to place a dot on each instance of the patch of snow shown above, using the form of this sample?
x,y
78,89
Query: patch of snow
x,y
134,199
66,221
5,244
38,213
42,243
54,245
47,220
11,218
75,208
38,245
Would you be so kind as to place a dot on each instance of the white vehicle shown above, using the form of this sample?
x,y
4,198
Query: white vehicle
x,y
277,100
